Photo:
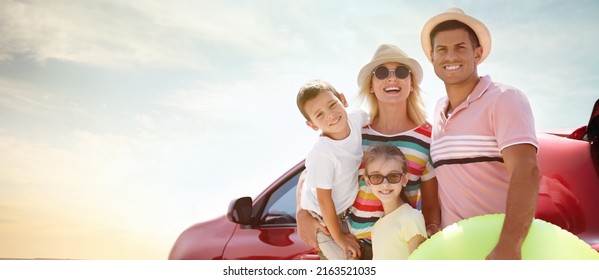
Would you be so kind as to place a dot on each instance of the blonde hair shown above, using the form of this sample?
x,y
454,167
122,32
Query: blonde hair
x,y
415,104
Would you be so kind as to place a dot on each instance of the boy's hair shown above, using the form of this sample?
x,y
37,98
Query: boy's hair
x,y
386,152
453,25
310,90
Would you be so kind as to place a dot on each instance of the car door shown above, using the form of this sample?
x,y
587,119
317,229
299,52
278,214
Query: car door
x,y
273,235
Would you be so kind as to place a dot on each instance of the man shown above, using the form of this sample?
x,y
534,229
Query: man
x,y
483,142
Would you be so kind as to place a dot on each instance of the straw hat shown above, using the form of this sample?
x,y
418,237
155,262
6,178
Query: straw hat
x,y
389,53
484,37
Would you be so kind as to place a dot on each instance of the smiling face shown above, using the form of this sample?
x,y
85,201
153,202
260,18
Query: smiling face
x,y
327,113
386,191
454,58
391,89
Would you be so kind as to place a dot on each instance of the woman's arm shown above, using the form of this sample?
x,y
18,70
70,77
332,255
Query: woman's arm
x,y
431,209
307,226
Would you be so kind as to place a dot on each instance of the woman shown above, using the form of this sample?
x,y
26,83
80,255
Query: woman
x,y
390,85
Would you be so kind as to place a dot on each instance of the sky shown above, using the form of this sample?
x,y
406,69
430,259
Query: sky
x,y
122,123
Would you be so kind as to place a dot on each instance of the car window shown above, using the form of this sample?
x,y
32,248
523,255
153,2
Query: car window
x,y
280,209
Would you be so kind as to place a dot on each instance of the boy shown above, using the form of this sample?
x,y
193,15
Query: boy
x,y
332,165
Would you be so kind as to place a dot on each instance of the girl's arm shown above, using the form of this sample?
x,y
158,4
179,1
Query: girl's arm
x,y
415,242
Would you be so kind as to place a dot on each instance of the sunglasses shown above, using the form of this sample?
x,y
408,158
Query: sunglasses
x,y
382,72
392,178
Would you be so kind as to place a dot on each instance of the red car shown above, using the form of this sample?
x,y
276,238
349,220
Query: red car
x,y
264,228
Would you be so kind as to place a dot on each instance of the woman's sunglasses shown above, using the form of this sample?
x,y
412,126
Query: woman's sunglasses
x,y
392,178
382,72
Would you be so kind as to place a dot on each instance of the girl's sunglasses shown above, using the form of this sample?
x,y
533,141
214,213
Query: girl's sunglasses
x,y
392,178
382,72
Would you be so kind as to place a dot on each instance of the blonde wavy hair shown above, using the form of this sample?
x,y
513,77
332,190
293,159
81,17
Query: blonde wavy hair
x,y
415,104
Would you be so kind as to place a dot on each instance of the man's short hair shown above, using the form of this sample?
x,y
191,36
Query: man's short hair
x,y
453,25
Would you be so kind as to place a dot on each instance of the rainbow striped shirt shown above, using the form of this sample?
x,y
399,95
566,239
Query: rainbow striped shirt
x,y
415,144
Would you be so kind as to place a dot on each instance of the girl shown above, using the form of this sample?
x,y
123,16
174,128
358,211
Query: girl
x,y
401,229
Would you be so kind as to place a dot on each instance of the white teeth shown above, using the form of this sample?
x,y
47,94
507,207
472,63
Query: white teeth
x,y
391,89
452,67
335,121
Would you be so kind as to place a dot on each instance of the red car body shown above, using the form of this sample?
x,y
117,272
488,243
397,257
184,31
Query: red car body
x,y
264,228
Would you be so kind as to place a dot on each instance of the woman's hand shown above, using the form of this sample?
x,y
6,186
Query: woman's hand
x,y
432,229
307,227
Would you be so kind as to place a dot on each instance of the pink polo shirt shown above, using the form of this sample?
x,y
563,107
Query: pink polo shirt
x,y
466,149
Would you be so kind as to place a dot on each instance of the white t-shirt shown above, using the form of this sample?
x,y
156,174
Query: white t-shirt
x,y
333,164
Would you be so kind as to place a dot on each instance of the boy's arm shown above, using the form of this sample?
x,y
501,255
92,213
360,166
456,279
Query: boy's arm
x,y
329,215
345,240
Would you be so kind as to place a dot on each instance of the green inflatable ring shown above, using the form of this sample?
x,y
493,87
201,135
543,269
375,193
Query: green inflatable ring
x,y
474,238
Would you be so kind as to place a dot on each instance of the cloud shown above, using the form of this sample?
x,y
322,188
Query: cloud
x,y
25,98
107,33
150,34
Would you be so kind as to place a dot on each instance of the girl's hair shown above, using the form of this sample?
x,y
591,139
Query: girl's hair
x,y
415,106
386,151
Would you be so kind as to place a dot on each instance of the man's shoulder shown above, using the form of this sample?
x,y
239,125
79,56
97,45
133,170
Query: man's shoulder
x,y
500,88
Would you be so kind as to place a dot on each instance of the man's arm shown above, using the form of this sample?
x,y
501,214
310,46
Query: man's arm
x,y
521,162
307,226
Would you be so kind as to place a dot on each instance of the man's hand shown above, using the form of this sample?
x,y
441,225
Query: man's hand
x,y
505,253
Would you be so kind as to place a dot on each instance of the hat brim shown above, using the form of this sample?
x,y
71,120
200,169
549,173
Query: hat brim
x,y
412,64
481,31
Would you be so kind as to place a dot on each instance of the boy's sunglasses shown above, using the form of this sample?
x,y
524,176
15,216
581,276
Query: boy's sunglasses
x,y
392,178
382,72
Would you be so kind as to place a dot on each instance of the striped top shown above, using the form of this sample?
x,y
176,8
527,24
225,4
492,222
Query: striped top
x,y
466,149
415,144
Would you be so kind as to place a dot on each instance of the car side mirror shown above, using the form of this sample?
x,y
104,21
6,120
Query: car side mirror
x,y
240,211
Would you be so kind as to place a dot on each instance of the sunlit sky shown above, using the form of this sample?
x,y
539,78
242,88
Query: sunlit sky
x,y
122,123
